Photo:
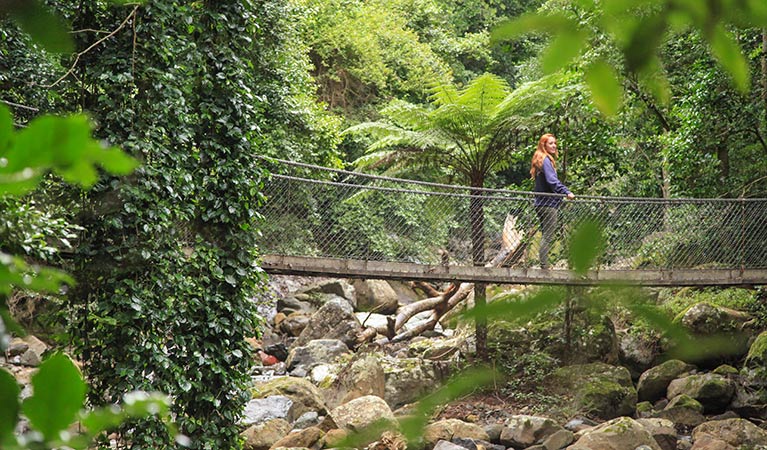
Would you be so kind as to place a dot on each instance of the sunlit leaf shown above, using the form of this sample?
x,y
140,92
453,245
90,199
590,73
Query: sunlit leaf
x,y
115,161
6,129
9,404
534,22
43,26
729,54
562,49
587,243
59,393
606,90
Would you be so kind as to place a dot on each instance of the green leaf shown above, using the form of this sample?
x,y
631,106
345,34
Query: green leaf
x,y
727,51
513,308
535,22
586,244
644,41
606,91
654,79
565,46
6,130
9,323
59,392
9,405
44,27
115,161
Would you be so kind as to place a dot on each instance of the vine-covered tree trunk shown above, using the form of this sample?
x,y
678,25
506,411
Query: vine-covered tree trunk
x,y
167,266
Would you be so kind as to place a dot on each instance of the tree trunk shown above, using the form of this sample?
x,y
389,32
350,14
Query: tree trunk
x,y
477,218
764,73
723,154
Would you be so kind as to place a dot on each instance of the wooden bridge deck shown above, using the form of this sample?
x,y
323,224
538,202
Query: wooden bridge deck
x,y
331,267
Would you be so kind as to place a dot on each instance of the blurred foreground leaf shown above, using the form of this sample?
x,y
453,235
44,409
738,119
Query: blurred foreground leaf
x,y
586,244
45,28
59,393
9,405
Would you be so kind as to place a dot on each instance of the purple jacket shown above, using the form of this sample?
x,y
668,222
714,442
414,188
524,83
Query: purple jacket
x,y
546,181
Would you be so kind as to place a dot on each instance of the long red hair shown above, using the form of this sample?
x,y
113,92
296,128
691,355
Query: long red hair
x,y
540,154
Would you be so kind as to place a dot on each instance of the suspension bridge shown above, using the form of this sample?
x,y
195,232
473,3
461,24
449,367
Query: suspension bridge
x,y
327,222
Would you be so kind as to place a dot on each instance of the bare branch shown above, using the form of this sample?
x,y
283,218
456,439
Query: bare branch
x,y
92,46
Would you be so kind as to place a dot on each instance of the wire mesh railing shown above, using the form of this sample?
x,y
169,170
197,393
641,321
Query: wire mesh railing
x,y
314,211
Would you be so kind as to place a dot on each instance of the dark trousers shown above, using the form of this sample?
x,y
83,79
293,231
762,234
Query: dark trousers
x,y
548,216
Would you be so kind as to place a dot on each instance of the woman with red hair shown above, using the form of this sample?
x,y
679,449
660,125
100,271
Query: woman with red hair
x,y
543,170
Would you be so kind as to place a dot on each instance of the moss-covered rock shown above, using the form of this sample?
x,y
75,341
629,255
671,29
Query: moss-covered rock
x,y
757,353
750,399
729,326
306,397
725,370
653,382
644,409
683,410
622,432
713,391
596,389
739,433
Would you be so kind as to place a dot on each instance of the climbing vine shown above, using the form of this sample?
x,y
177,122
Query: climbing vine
x,y
165,259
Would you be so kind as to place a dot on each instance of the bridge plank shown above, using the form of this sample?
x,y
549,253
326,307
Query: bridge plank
x,y
331,267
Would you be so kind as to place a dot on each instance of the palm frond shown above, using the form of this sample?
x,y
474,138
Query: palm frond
x,y
484,93
539,95
443,94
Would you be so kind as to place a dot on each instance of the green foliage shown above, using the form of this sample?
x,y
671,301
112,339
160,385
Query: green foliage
x,y
58,396
45,27
674,302
167,259
469,131
638,30
59,393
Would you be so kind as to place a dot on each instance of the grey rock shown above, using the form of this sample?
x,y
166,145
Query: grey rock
x,y
263,409
315,352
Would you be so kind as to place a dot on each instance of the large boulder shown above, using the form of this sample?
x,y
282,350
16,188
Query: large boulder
x,y
597,342
617,434
750,399
757,352
320,291
637,352
662,430
713,391
522,431
409,379
739,433
362,413
683,411
653,383
449,429
263,435
305,396
597,389
315,352
305,438
707,320
261,410
376,295
364,376
334,320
